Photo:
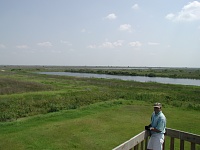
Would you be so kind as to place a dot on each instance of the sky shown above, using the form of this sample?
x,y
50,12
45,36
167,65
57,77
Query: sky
x,y
138,33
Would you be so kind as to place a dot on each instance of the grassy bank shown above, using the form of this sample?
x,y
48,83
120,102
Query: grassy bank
x,y
60,112
99,126
26,94
191,73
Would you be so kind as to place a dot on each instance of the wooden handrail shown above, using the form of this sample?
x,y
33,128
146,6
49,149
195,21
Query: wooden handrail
x,y
186,136
172,133
133,141
183,136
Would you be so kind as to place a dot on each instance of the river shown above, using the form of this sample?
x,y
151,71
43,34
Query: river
x,y
131,78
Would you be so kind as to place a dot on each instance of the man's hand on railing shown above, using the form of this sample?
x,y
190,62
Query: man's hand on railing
x,y
147,127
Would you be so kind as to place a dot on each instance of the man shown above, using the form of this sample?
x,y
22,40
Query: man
x,y
157,128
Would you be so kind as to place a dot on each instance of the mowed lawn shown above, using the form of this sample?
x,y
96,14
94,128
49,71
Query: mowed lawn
x,y
100,126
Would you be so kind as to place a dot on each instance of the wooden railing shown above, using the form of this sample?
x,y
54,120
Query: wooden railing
x,y
140,141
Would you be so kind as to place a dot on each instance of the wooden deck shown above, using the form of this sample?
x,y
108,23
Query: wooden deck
x,y
139,142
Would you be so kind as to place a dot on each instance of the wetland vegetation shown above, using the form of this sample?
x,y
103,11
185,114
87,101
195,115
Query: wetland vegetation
x,y
60,112
191,73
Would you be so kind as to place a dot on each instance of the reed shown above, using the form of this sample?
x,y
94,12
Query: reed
x,y
59,112
26,94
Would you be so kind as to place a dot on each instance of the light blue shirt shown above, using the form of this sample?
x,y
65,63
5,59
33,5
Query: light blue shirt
x,y
158,121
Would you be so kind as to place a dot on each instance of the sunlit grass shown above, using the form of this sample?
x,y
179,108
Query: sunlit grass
x,y
30,94
59,112
99,126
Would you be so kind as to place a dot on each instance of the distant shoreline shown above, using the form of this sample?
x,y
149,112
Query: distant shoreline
x,y
169,72
102,67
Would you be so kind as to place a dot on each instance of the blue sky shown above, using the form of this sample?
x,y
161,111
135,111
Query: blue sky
x,y
156,33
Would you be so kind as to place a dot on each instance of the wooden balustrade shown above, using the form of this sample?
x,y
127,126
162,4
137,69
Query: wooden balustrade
x,y
140,141
182,136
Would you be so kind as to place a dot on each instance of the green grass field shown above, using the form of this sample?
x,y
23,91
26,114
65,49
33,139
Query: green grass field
x,y
57,112
98,126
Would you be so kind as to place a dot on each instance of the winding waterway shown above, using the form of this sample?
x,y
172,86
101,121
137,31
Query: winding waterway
x,y
131,78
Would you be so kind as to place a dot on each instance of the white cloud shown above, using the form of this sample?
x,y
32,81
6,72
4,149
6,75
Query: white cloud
x,y
111,16
115,44
170,16
153,43
22,46
125,27
135,7
189,12
118,43
2,46
135,44
108,44
45,44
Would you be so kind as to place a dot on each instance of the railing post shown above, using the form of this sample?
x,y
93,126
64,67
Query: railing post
x,y
142,145
163,145
192,146
146,142
136,147
182,144
172,143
